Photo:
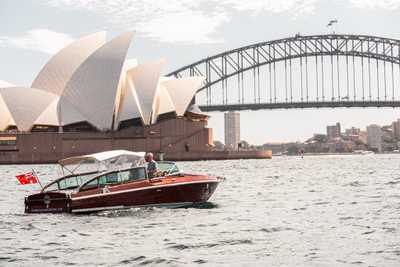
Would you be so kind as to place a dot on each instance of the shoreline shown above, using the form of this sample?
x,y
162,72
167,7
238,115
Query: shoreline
x,y
167,156
335,154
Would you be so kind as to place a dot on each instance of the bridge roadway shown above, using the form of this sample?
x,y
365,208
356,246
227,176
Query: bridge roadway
x,y
300,105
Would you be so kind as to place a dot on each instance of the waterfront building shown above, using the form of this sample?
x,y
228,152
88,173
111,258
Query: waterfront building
x,y
89,98
374,137
278,148
75,87
389,146
333,131
232,130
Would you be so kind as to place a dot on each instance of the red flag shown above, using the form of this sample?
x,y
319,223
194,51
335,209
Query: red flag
x,y
27,178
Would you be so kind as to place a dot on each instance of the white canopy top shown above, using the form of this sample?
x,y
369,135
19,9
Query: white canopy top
x,y
107,157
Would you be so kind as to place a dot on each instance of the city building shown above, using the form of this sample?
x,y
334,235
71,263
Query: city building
x,y
363,137
352,131
232,130
333,131
387,133
89,98
374,137
396,129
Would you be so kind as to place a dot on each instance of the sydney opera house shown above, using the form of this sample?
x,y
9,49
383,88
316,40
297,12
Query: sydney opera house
x,y
90,98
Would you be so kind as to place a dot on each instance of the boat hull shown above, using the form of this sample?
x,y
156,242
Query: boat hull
x,y
172,195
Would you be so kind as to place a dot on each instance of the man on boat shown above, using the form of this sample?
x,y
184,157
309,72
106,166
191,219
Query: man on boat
x,y
151,165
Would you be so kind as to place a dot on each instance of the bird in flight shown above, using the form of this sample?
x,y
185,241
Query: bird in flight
x,y
331,22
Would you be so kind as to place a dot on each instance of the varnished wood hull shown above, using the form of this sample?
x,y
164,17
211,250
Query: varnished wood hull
x,y
174,195
169,193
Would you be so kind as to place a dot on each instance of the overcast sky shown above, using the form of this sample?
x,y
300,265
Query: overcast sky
x,y
183,31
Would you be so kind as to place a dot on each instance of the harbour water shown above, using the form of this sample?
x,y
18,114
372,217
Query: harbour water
x,y
288,211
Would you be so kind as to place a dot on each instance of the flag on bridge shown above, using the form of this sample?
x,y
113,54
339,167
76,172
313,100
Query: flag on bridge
x,y
27,178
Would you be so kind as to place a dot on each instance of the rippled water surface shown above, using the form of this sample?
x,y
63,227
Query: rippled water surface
x,y
288,211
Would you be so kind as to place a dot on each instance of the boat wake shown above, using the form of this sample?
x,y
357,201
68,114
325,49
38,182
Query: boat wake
x,y
205,205
142,211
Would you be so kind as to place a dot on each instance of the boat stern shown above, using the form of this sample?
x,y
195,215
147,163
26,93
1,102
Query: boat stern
x,y
47,202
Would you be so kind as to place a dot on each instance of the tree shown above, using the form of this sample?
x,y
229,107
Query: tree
x,y
244,144
293,150
219,145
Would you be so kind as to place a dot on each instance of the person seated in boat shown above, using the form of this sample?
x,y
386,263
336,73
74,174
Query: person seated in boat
x,y
151,165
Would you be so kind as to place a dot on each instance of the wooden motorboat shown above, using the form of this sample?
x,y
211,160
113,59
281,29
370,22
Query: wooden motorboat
x,y
119,181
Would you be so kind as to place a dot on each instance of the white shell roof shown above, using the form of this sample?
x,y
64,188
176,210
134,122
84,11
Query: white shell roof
x,y
129,108
58,71
90,80
59,113
123,92
182,91
26,112
164,103
5,115
50,115
144,79
67,113
93,87
55,74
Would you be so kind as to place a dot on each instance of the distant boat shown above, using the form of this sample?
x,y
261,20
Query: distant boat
x,y
363,152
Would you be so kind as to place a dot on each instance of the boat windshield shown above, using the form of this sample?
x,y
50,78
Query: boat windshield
x,y
115,178
167,167
70,182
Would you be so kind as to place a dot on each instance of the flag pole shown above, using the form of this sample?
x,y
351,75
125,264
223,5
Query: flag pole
x,y
37,177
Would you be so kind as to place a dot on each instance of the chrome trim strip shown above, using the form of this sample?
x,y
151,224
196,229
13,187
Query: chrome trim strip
x,y
142,188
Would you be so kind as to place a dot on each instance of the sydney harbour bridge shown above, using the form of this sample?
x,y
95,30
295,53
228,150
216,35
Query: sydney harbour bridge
x,y
315,71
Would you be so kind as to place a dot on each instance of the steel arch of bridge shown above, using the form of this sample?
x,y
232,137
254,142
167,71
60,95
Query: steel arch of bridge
x,y
218,68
